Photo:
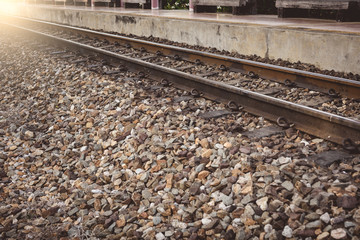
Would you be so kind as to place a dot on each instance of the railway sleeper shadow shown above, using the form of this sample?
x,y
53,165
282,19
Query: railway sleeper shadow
x,y
341,15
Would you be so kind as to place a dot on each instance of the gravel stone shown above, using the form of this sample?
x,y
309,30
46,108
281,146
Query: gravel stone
x,y
262,203
339,233
288,185
348,202
156,220
325,217
287,232
73,211
348,224
160,236
323,235
205,221
146,194
314,224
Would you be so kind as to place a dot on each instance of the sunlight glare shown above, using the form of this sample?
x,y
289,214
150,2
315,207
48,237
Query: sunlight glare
x,y
8,7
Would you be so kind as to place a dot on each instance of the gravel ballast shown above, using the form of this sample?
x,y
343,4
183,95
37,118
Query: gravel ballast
x,y
88,155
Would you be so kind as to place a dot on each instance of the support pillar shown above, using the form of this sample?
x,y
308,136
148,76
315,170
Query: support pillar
x,y
154,4
191,6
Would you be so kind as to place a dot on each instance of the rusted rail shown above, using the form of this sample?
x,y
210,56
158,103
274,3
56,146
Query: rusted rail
x,y
314,81
325,125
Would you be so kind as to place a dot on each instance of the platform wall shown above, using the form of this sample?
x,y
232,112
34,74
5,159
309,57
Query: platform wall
x,y
327,50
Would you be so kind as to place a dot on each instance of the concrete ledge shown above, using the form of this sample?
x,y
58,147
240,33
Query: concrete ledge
x,y
325,49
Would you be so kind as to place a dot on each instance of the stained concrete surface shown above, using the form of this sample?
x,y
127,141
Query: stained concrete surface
x,y
324,43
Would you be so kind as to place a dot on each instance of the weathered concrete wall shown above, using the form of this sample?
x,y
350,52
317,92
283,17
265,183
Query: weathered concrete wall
x,y
327,50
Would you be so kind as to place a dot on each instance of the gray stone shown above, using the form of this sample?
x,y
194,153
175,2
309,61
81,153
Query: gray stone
x,y
284,160
246,199
339,233
287,232
191,138
349,224
73,211
314,224
249,210
146,194
160,236
314,202
262,203
156,220
268,228
211,225
199,168
227,200
73,232
288,185
325,217
97,147
205,221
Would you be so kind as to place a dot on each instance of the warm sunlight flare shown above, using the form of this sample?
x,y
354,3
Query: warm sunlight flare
x,y
8,7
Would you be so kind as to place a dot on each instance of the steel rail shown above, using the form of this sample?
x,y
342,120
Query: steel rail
x,y
314,81
315,122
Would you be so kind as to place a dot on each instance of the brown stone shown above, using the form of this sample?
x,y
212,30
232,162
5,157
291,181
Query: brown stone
x,y
121,222
347,202
206,153
204,143
237,212
169,178
97,204
203,174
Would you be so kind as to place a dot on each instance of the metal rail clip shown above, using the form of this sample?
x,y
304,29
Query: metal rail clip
x,y
194,92
351,146
282,122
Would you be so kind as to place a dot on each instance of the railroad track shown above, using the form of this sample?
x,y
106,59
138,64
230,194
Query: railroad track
x,y
260,89
319,82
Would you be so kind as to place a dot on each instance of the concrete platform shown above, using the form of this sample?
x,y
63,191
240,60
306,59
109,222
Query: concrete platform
x,y
325,43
